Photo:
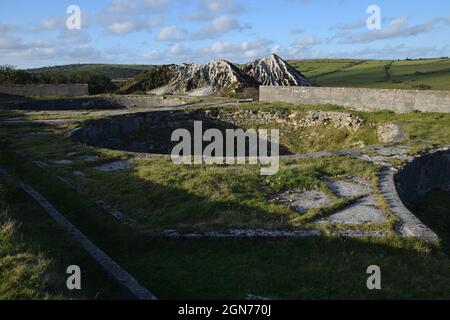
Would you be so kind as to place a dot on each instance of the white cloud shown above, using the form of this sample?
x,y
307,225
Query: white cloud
x,y
398,28
74,36
172,33
156,4
121,27
210,9
179,50
220,26
122,6
124,25
306,41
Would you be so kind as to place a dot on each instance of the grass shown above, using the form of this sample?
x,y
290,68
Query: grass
x,y
35,252
411,74
434,210
324,268
420,128
160,195
22,274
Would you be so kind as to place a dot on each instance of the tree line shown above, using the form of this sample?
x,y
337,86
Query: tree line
x,y
10,76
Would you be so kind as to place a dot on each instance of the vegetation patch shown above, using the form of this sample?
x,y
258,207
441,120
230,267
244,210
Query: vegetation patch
x,y
35,252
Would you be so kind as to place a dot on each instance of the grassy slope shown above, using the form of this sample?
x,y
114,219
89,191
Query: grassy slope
x,y
372,74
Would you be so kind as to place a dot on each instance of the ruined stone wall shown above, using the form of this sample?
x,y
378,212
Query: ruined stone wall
x,y
101,102
399,101
424,174
103,132
61,90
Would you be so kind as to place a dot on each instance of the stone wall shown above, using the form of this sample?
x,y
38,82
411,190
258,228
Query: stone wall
x,y
62,90
424,174
399,101
112,101
105,132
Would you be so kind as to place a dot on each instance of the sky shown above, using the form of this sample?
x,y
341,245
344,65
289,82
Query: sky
x,y
36,33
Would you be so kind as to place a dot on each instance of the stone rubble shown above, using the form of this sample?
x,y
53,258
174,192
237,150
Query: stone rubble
x,y
302,201
115,166
390,132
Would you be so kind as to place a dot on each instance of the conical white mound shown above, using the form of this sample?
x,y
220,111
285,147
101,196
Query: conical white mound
x,y
274,71
218,75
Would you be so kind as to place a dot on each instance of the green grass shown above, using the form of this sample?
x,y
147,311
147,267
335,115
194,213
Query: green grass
x,y
316,68
324,268
160,195
412,74
22,274
35,252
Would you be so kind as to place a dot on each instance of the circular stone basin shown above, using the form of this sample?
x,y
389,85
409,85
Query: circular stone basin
x,y
151,132
419,182
422,175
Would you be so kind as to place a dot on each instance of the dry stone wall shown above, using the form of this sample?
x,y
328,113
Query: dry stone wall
x,y
399,101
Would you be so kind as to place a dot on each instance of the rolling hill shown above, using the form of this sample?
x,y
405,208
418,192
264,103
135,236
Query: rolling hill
x,y
389,74
112,71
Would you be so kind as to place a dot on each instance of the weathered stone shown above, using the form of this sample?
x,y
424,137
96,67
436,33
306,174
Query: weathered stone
x,y
302,201
88,158
78,173
423,174
390,132
361,212
244,233
363,99
253,297
409,225
62,162
353,187
115,166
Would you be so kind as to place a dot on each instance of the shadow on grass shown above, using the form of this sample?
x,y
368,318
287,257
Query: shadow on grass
x,y
434,210
319,268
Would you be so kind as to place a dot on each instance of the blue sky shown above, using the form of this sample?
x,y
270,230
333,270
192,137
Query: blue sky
x,y
34,33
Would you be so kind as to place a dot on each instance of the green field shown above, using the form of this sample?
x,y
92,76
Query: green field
x,y
428,74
